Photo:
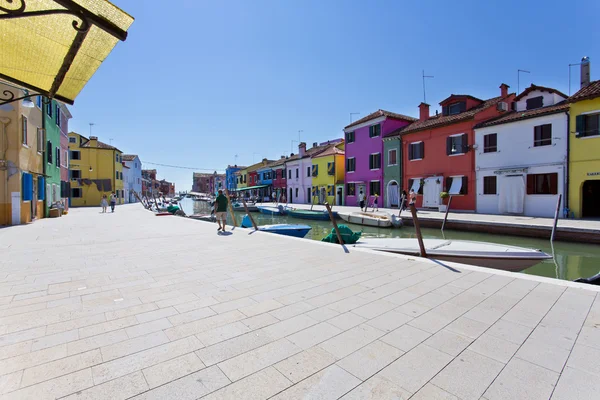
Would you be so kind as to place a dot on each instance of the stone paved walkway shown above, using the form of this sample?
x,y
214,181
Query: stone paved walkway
x,y
129,305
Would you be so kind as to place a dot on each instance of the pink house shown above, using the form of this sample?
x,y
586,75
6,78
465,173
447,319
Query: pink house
x,y
65,189
364,154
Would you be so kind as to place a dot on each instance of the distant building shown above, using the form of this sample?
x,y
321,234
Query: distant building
x,y
149,184
231,177
208,183
132,177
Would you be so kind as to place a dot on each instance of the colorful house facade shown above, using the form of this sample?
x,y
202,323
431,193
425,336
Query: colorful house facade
x,y
296,180
280,176
584,154
65,188
22,147
328,170
363,152
392,170
438,153
521,156
231,178
96,169
52,154
132,177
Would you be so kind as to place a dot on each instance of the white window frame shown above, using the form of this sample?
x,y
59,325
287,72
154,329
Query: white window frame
x,y
396,163
353,171
40,140
375,169
457,154
410,144
72,141
24,131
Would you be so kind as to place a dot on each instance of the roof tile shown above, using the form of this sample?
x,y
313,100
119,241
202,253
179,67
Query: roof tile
x,y
514,116
381,113
591,91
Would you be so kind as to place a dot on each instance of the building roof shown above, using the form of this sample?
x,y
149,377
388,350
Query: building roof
x,y
128,157
515,116
442,120
330,150
381,113
591,91
454,96
101,145
541,89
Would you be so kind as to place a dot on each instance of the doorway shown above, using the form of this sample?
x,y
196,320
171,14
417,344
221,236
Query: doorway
x,y
512,194
340,195
590,195
290,198
361,187
431,191
393,194
308,196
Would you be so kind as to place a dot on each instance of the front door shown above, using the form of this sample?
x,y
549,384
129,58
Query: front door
x,y
431,191
361,187
591,199
393,194
340,196
289,199
511,199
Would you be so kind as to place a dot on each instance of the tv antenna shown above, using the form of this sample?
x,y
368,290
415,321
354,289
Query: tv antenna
x,y
425,76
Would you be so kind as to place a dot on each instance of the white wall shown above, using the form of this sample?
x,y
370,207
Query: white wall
x,y
134,180
516,150
550,99
296,182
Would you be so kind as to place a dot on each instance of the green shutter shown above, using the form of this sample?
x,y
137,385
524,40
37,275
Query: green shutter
x,y
580,126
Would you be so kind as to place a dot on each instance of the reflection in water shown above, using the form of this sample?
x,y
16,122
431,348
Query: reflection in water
x,y
571,260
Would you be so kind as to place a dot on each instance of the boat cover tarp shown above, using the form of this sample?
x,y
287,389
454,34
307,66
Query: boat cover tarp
x,y
348,236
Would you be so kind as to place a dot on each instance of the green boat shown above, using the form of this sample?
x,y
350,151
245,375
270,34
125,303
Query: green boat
x,y
348,236
322,215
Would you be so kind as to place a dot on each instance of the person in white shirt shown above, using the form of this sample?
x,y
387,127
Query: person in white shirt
x,y
361,199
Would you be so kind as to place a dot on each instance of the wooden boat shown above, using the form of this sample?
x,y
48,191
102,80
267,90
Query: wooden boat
x,y
240,207
377,219
294,230
271,210
483,254
321,215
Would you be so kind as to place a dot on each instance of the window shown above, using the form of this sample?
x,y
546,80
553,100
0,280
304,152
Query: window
x,y
296,192
72,140
76,193
297,169
65,160
351,164
315,170
416,151
290,174
57,115
490,143
454,108
587,125
49,152
456,185
117,173
75,155
117,157
40,140
374,130
392,157
374,188
284,174
49,108
135,165
308,193
57,157
350,189
456,144
330,168
307,171
542,135
416,185
24,130
542,183
244,178
489,184
330,190
375,161
38,101
75,174
535,102
350,137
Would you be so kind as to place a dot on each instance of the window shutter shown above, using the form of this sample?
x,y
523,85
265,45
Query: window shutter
x,y
580,125
448,145
41,188
465,185
422,152
444,110
530,184
464,142
410,152
447,184
537,133
371,131
410,183
553,183
27,186
462,106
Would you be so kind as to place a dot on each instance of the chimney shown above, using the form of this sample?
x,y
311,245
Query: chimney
x,y
315,144
585,72
504,90
301,149
423,111
282,157
93,141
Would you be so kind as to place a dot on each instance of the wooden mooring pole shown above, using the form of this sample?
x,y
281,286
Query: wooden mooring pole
x,y
413,211
556,217
230,207
335,225
447,210
249,215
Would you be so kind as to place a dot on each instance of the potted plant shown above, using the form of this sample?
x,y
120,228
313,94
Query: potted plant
x,y
444,196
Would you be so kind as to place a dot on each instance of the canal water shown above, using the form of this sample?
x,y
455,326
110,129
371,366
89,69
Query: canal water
x,y
571,260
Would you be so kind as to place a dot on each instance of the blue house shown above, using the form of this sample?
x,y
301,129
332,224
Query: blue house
x,y
230,178
265,177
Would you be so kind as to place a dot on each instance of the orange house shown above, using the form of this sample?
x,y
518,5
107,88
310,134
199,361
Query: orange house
x,y
438,152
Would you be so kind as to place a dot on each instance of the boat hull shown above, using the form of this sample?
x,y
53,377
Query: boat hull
x,y
312,215
240,207
378,220
267,210
298,231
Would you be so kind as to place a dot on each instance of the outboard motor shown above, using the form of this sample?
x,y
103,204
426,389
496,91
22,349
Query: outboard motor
x,y
281,209
592,280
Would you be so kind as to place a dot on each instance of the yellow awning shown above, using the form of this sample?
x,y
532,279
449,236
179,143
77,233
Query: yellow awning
x,y
53,47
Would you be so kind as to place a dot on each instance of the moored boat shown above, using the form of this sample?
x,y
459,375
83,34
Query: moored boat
x,y
271,210
240,207
204,217
294,230
321,215
377,219
483,254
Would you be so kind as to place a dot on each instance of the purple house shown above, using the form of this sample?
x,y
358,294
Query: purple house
x,y
364,154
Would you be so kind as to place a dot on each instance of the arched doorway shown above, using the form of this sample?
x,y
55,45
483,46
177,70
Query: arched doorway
x,y
393,194
590,197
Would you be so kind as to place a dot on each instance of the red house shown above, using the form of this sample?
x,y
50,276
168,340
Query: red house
x,y
438,152
279,176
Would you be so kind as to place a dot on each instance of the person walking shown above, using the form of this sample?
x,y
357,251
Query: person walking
x,y
104,203
375,203
413,198
221,210
361,200
113,201
404,200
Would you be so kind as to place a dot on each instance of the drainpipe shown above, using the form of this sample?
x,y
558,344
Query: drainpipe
x,y
566,167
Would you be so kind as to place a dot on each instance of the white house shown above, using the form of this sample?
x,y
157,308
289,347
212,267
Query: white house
x,y
296,180
521,157
132,177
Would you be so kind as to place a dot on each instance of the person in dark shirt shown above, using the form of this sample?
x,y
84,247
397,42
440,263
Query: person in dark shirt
x,y
221,210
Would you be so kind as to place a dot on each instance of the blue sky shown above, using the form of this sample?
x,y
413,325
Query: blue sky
x,y
200,81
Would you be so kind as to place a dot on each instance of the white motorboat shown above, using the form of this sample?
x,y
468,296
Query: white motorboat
x,y
483,254
377,219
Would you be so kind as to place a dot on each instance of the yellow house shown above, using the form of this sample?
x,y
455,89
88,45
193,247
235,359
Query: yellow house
x,y
95,169
584,153
242,178
328,169
22,143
